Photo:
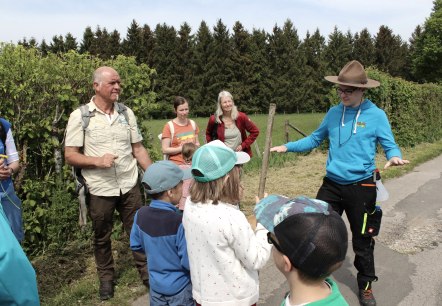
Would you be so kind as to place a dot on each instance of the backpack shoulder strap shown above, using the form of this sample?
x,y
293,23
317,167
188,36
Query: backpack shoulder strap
x,y
3,132
122,109
193,125
85,116
172,130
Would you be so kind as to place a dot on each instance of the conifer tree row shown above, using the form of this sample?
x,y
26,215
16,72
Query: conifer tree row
x,y
258,67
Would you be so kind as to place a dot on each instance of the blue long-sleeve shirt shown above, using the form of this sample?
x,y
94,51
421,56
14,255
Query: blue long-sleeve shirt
x,y
158,231
353,134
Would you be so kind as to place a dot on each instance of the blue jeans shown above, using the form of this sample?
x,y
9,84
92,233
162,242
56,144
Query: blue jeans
x,y
182,298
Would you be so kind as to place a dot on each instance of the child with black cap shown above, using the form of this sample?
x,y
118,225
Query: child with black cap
x,y
158,231
310,242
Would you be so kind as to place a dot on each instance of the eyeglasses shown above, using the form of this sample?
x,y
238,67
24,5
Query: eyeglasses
x,y
270,240
347,92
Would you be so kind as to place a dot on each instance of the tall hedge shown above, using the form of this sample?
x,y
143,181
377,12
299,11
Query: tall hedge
x,y
37,94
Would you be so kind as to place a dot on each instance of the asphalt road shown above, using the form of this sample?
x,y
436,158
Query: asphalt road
x,y
408,250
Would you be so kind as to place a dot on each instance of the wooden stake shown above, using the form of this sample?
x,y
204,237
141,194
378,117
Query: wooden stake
x,y
286,130
265,160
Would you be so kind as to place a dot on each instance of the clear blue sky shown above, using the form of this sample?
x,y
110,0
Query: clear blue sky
x,y
46,18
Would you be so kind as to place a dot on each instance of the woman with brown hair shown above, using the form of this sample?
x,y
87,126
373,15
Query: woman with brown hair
x,y
178,131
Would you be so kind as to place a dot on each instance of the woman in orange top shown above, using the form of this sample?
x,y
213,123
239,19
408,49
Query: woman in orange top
x,y
179,131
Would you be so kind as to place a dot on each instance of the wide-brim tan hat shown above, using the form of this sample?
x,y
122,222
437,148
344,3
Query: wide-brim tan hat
x,y
353,74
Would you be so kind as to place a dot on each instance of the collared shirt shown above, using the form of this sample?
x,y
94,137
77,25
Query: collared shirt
x,y
102,136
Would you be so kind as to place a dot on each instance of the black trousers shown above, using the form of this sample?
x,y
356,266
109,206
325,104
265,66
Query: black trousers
x,y
355,199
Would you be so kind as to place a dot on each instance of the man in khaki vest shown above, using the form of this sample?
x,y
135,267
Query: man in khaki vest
x,y
108,151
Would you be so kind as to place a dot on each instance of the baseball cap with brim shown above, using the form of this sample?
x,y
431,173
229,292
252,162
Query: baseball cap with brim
x,y
214,160
273,209
309,232
163,175
241,157
353,74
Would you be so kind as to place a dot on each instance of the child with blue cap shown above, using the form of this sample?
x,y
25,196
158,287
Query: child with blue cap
x,y
225,253
158,232
310,242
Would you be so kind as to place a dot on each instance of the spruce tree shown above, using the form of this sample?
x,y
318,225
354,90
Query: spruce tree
x,y
88,39
390,51
338,52
185,54
287,68
70,42
166,64
241,82
261,72
114,44
147,47
57,44
427,54
132,44
221,69
44,48
363,48
33,43
313,89
415,36
97,47
203,55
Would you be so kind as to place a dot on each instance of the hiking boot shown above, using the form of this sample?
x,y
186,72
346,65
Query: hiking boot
x,y
106,290
366,297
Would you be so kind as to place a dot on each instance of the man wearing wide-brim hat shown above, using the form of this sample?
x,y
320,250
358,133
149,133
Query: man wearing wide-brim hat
x,y
354,127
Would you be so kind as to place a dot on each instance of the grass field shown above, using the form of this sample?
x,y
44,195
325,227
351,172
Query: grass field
x,y
305,122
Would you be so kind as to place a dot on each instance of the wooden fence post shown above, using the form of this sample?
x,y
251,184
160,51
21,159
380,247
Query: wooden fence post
x,y
265,160
286,128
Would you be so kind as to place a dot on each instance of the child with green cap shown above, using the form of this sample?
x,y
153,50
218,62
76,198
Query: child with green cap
x,y
225,254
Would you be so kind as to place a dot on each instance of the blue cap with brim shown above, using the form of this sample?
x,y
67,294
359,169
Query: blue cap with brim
x,y
274,209
163,175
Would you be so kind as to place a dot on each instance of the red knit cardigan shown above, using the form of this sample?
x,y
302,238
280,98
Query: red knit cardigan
x,y
243,123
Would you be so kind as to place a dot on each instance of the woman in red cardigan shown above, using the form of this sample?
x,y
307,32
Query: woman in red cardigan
x,y
231,126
